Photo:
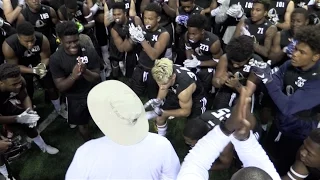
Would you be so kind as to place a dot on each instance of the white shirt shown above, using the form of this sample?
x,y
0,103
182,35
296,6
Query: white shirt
x,y
207,150
102,159
200,158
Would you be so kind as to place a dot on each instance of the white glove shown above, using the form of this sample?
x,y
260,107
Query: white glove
x,y
244,31
215,11
21,2
273,16
235,11
28,117
192,63
155,113
136,33
153,103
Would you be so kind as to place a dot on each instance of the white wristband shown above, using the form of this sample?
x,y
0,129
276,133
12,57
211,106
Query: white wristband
x,y
290,176
188,47
297,174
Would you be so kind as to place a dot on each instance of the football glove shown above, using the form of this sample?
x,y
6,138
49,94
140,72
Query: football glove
x,y
40,70
153,103
273,16
290,48
244,31
155,113
235,11
136,33
182,20
28,117
192,63
262,70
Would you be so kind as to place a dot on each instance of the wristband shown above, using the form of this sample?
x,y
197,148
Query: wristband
x,y
297,174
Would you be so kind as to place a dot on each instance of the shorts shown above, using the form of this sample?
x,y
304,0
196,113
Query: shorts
x,y
142,81
78,112
172,102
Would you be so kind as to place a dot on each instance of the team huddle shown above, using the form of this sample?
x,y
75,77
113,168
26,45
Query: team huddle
x,y
195,61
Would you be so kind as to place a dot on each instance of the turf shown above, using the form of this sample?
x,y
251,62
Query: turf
x,y
35,165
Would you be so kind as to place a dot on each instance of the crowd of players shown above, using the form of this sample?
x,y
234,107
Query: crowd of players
x,y
190,58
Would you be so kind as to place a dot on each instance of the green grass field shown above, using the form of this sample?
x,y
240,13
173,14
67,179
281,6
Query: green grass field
x,y
35,165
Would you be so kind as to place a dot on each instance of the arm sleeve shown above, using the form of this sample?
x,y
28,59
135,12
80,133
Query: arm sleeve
x,y
171,165
251,154
199,160
304,98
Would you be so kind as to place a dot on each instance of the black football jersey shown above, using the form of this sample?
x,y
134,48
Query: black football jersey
x,y
202,47
152,38
41,20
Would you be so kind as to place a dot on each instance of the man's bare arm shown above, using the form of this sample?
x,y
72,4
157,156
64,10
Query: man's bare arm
x,y
11,58
45,51
10,14
276,54
185,102
171,8
287,17
221,73
159,47
265,49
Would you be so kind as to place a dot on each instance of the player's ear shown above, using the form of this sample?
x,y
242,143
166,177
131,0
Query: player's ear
x,y
159,18
203,30
316,57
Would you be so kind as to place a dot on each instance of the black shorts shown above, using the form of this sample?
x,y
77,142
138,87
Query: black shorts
x,y
141,81
78,112
172,102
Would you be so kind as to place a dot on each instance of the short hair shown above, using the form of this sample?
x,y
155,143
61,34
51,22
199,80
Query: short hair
x,y
252,173
119,5
9,71
162,70
197,20
240,48
302,11
67,28
315,135
309,35
71,4
154,7
25,28
265,3
195,129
